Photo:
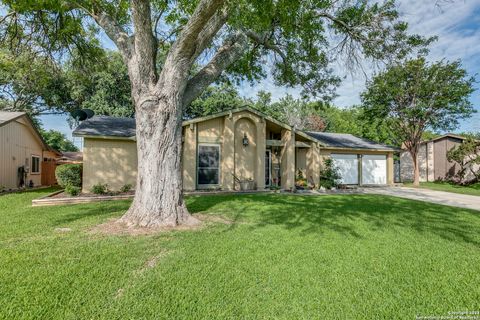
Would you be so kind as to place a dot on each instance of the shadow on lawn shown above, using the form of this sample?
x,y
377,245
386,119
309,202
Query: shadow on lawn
x,y
81,212
351,215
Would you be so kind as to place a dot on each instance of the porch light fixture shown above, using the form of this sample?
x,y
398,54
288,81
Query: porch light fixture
x,y
245,140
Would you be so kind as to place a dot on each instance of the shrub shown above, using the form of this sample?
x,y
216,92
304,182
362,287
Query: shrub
x,y
99,188
300,180
329,177
126,187
69,174
72,190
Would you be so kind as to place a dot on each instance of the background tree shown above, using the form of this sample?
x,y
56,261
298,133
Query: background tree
x,y
30,83
58,140
214,99
100,84
467,155
164,43
416,96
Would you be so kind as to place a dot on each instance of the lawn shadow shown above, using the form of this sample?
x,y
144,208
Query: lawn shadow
x,y
81,212
349,215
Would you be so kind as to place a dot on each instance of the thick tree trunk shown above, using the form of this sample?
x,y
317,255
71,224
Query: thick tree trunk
x,y
416,170
158,197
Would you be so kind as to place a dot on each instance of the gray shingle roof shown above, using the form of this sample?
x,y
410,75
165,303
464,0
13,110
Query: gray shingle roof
x,y
345,140
106,126
125,127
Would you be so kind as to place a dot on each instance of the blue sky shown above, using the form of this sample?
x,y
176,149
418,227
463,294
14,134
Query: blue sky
x,y
456,23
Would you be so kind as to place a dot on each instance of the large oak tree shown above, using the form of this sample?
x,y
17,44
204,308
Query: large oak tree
x,y
175,49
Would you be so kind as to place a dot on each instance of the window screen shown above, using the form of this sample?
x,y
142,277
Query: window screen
x,y
35,164
208,164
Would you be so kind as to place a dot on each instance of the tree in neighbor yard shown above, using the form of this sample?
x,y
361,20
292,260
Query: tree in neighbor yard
x,y
175,49
467,155
415,96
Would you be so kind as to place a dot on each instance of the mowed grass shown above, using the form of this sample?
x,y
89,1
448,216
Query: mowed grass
x,y
283,257
473,189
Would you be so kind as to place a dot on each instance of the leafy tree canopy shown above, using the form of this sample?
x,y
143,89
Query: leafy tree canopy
x,y
57,140
416,96
300,38
214,99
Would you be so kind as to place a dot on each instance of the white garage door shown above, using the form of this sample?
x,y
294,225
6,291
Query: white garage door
x,y
347,165
374,169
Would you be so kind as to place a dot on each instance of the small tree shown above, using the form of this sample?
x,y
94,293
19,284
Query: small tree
x,y
416,96
330,176
467,155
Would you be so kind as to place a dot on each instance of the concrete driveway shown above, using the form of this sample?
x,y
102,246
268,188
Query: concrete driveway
x,y
440,197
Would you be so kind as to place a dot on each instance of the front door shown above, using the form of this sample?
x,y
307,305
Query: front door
x,y
268,168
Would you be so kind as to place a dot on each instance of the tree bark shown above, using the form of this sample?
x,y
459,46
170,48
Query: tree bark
x,y
416,170
158,200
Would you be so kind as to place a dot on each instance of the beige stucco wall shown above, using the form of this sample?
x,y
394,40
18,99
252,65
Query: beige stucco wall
x,y
314,161
109,161
245,156
288,160
189,160
244,162
17,144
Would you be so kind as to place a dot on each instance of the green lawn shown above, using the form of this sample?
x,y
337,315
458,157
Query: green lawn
x,y
288,257
473,189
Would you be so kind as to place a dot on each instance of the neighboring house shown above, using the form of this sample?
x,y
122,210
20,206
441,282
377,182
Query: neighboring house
x,y
25,158
71,157
242,144
432,159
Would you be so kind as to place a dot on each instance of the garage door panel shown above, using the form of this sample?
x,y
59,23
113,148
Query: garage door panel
x,y
374,169
347,165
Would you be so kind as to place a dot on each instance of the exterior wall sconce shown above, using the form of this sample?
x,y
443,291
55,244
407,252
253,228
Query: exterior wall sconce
x,y
245,140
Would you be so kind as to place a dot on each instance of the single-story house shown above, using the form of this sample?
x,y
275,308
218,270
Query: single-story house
x,y
432,159
237,145
25,158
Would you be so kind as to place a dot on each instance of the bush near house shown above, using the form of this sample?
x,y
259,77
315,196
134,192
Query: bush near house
x,y
72,190
69,175
99,188
329,176
126,187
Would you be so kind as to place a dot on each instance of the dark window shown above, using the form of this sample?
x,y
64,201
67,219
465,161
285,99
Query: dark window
x,y
208,164
35,164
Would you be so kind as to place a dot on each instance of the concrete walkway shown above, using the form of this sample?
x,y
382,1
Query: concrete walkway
x,y
440,197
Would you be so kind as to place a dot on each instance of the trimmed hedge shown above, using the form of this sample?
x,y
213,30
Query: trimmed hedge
x,y
69,175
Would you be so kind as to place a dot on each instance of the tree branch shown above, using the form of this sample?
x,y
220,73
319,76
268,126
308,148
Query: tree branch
x,y
209,31
145,43
186,44
228,53
264,41
114,31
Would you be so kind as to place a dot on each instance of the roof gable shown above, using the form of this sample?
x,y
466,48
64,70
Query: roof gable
x,y
7,117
